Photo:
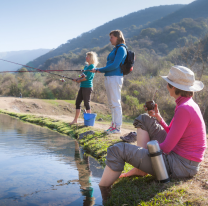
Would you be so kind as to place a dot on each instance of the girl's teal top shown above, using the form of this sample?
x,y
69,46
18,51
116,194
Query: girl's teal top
x,y
89,76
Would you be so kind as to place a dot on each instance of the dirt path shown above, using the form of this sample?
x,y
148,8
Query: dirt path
x,y
56,109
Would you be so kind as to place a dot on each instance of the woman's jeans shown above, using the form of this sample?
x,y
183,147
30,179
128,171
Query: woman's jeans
x,y
113,85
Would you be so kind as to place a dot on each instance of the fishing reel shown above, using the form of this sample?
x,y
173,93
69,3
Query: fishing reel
x,y
82,75
62,80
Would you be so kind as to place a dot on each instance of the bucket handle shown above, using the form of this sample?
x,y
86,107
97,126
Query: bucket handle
x,y
87,119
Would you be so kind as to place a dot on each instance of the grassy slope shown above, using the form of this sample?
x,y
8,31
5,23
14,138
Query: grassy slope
x,y
133,190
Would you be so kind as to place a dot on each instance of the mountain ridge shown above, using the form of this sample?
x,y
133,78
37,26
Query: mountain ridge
x,y
92,39
189,11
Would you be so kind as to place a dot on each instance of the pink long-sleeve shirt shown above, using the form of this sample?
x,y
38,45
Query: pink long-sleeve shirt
x,y
186,134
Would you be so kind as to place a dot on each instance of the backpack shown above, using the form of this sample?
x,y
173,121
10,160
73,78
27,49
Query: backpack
x,y
127,67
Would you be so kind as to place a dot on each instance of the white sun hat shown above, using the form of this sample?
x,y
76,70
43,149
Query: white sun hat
x,y
183,78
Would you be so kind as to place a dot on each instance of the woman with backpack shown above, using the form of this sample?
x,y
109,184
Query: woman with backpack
x,y
114,79
86,85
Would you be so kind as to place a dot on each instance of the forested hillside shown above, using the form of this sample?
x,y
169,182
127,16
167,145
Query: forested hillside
x,y
160,41
130,24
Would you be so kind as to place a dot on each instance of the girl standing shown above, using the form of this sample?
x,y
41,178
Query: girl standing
x,y
86,85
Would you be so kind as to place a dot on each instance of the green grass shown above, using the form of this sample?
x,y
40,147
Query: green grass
x,y
147,192
53,102
106,118
70,101
56,102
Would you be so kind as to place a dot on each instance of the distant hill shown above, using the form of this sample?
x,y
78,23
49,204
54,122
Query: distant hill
x,y
21,57
130,24
194,10
160,28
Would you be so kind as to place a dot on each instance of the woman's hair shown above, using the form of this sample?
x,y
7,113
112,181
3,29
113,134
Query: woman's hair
x,y
182,92
93,58
119,35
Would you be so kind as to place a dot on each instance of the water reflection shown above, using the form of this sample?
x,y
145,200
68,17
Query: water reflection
x,y
42,167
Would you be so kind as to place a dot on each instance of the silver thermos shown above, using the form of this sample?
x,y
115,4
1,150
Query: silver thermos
x,y
157,160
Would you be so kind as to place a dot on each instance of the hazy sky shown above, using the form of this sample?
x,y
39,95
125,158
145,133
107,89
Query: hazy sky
x,y
34,24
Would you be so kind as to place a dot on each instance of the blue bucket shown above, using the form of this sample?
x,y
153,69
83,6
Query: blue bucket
x,y
89,119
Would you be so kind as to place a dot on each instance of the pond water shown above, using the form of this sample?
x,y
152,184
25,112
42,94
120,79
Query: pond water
x,y
41,167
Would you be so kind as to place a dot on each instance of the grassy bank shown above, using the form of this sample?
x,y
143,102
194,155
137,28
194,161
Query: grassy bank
x,y
133,190
93,144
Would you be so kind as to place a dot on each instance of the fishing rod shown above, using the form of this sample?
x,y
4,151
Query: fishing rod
x,y
47,71
40,71
75,70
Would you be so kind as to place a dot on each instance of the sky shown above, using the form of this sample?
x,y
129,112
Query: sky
x,y
35,24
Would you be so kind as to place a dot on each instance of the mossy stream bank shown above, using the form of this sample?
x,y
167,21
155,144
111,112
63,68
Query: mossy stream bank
x,y
126,191
95,144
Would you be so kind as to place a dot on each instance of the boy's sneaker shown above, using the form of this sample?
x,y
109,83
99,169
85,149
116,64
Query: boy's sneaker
x,y
115,131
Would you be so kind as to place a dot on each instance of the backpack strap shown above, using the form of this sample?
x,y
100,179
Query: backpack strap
x,y
117,47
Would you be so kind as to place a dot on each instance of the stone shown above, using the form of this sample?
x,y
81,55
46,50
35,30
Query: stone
x,y
100,119
37,106
81,136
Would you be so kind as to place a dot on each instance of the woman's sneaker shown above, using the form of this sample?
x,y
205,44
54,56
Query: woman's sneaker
x,y
116,130
110,128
